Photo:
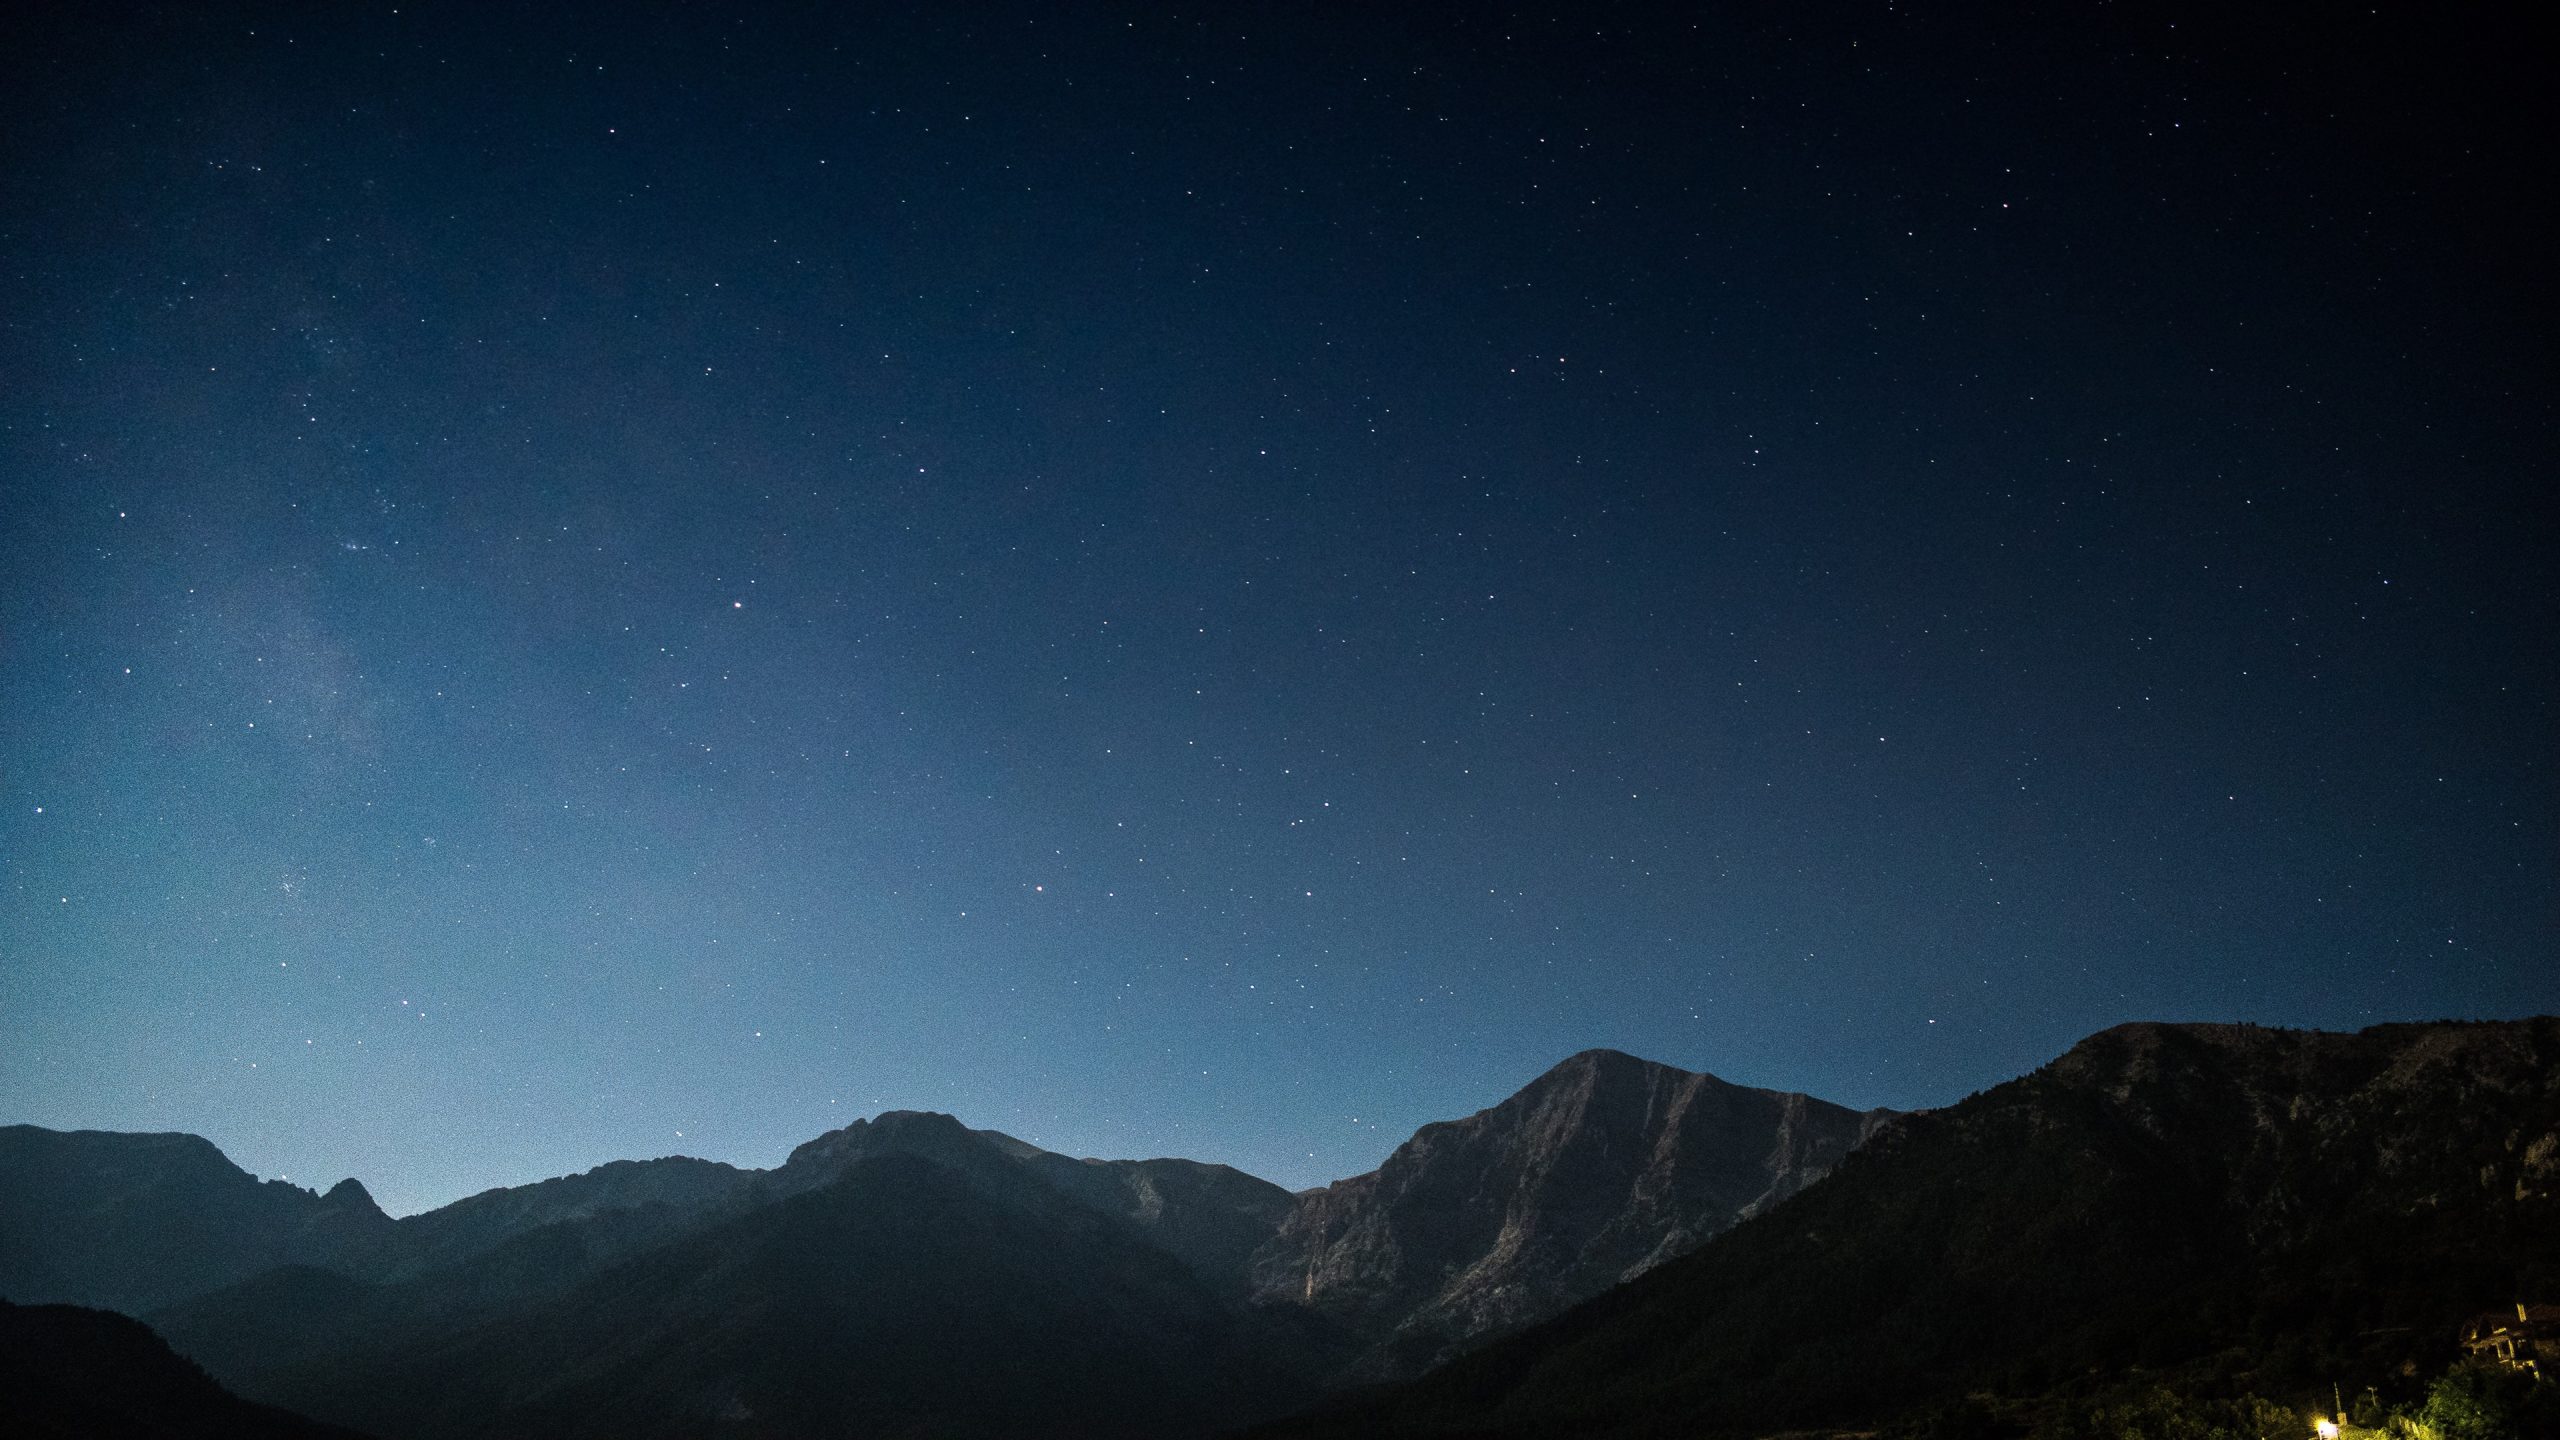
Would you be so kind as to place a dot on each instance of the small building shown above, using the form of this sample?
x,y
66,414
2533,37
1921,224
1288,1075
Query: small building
x,y
2521,1341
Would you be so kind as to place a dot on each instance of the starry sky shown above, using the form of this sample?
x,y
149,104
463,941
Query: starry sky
x,y
583,582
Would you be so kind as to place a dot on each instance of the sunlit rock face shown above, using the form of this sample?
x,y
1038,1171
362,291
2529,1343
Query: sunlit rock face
x,y
1600,1169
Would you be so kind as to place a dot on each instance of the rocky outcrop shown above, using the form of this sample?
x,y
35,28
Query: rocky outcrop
x,y
1600,1169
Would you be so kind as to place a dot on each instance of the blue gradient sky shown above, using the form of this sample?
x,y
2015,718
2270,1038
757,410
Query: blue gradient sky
x,y
578,587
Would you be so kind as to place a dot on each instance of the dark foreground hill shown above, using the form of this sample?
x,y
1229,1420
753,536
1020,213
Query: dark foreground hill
x,y
68,1373
2224,1204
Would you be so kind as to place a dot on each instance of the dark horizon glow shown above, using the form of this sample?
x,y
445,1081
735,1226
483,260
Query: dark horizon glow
x,y
579,587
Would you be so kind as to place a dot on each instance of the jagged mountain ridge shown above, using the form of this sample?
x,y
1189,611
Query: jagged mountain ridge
x,y
273,1334
652,1314
900,1294
2156,1193
137,1222
1596,1171
2221,1203
149,1221
132,1221
140,1222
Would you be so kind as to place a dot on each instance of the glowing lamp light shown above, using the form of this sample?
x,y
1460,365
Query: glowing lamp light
x,y
2325,1428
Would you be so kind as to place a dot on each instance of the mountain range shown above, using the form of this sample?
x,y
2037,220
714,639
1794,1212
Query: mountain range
x,y
1233,1297
1621,1248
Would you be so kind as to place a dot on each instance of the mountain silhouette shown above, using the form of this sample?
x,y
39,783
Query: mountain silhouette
x,y
129,1222
1620,1248
903,1296
1595,1171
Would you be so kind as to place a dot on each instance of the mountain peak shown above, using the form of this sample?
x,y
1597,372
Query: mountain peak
x,y
917,1119
1603,1058
1604,1063
351,1193
927,1133
1598,1169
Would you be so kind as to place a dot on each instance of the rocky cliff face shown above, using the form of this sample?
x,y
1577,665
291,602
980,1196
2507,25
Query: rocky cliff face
x,y
1600,1169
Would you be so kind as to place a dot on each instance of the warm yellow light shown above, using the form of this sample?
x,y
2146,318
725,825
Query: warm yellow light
x,y
2325,1429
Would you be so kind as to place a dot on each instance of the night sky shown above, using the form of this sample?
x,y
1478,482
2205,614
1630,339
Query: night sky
x,y
640,580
